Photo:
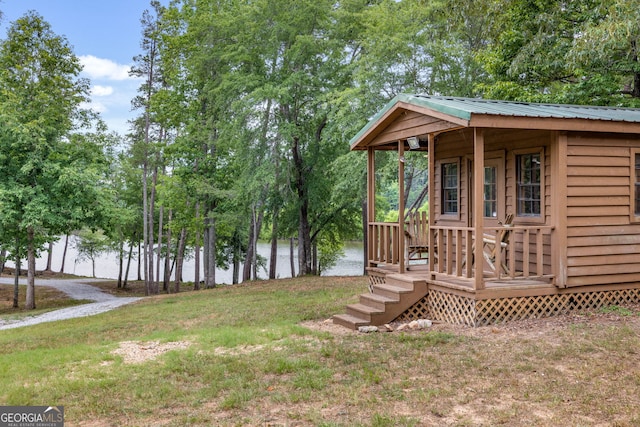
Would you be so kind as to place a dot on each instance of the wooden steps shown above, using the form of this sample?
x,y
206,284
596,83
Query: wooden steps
x,y
387,301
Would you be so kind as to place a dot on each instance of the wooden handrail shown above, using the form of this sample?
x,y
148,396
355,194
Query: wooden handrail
x,y
525,253
384,243
521,255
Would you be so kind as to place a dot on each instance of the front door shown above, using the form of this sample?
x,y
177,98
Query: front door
x,y
493,190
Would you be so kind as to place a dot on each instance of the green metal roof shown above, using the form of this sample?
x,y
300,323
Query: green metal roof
x,y
466,108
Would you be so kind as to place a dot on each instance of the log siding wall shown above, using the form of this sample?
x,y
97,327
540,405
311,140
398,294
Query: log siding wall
x,y
603,245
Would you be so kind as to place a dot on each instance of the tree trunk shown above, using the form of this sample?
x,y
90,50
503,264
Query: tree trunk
x,y
159,252
196,280
64,252
210,279
139,263
126,273
251,247
145,229
120,262
49,256
237,250
304,241
273,254
255,243
304,232
16,283
3,259
205,251
314,258
30,303
152,206
291,257
180,259
167,258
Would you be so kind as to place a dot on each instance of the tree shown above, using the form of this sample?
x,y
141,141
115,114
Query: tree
x,y
40,99
605,53
90,245
147,134
578,52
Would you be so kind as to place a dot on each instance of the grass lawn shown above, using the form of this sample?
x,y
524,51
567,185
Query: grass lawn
x,y
261,354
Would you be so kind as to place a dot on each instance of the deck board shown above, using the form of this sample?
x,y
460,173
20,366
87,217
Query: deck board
x,y
505,288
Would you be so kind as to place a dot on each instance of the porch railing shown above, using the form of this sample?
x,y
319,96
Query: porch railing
x,y
384,243
522,252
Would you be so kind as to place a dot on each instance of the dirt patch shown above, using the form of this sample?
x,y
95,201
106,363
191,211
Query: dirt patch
x,y
140,352
327,326
240,350
529,328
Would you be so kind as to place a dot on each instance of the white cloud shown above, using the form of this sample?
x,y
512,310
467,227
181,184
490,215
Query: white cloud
x,y
98,107
111,91
100,68
99,90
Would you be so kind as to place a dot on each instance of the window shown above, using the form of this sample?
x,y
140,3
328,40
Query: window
x,y
529,185
637,184
491,192
449,188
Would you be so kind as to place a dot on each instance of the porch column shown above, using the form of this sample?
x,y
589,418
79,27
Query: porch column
x,y
559,186
432,197
401,266
478,202
371,203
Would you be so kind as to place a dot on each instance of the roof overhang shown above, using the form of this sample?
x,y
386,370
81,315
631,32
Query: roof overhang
x,y
370,134
448,114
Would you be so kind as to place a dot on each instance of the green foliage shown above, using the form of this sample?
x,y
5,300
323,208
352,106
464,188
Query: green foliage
x,y
90,245
616,309
248,107
49,176
580,52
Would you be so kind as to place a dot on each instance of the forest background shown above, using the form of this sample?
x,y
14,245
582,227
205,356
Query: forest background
x,y
245,113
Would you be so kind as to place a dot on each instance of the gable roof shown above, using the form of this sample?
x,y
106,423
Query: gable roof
x,y
450,113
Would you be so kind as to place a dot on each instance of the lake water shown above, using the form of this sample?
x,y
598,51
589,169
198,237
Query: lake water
x,y
351,264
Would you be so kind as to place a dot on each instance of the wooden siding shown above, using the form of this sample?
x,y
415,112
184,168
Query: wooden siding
x,y
503,144
459,144
603,246
408,123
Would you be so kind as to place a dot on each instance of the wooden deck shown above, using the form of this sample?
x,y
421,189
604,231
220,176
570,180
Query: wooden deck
x,y
503,288
419,293
415,293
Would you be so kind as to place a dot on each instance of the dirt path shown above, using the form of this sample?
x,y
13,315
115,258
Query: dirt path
x,y
77,289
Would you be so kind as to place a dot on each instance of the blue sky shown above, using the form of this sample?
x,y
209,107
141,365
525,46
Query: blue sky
x,y
105,35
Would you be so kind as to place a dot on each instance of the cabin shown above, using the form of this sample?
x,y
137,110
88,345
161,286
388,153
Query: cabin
x,y
534,210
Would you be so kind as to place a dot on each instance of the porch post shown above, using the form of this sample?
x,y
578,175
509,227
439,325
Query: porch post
x,y
432,197
478,201
371,203
401,266
559,208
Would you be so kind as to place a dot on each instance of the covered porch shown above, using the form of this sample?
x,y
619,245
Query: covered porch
x,y
518,222
443,243
509,254
473,243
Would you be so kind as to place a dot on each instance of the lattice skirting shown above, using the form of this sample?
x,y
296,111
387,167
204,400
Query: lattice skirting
x,y
459,310
375,278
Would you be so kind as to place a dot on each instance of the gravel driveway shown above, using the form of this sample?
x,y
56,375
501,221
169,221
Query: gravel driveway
x,y
76,289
